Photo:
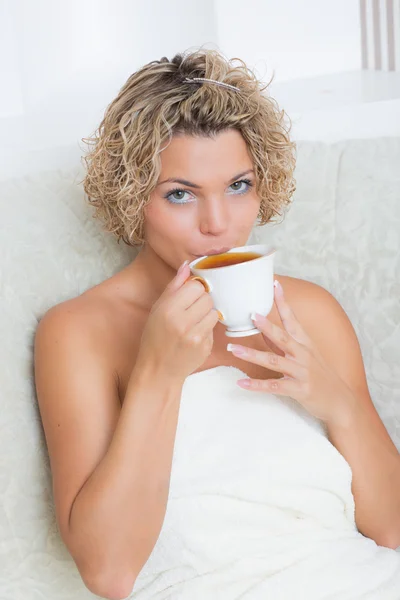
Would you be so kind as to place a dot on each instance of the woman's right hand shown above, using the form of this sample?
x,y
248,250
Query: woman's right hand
x,y
178,335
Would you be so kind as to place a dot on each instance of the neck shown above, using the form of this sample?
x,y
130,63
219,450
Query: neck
x,y
152,273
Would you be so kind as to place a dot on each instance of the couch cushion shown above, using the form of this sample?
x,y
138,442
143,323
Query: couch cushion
x,y
51,249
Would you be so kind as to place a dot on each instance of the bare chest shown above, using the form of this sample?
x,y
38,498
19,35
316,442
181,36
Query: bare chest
x,y
126,344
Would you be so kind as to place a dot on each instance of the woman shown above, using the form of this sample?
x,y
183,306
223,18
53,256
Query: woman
x,y
280,477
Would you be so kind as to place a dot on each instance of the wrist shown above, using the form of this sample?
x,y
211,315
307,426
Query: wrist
x,y
346,413
152,374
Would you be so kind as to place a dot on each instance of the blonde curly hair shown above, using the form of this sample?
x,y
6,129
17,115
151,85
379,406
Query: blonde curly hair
x,y
123,167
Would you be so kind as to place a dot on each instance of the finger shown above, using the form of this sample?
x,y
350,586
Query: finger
x,y
188,294
288,318
269,360
206,325
181,275
280,337
282,387
182,294
199,309
270,346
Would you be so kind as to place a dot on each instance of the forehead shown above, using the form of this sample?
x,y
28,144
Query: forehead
x,y
203,157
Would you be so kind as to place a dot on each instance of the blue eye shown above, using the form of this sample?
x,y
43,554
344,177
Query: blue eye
x,y
241,190
177,195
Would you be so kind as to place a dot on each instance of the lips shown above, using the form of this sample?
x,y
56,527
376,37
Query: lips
x,y
214,251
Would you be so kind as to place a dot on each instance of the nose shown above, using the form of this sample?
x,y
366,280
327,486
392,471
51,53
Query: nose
x,y
213,216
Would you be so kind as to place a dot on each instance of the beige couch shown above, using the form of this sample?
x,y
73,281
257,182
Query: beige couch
x,y
342,231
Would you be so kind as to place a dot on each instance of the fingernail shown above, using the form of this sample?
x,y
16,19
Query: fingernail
x,y
278,287
183,265
256,317
235,349
243,383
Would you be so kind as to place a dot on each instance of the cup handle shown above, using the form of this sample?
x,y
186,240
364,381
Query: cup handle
x,y
203,281
207,288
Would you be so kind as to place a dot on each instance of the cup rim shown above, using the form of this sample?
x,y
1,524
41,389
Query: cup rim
x,y
250,248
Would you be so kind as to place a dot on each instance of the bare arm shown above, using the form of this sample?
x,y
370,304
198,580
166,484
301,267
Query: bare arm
x,y
117,516
110,466
362,437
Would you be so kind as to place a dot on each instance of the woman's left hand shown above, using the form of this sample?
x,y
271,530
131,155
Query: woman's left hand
x,y
307,377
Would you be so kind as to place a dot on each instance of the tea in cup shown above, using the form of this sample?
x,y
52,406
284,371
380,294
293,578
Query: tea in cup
x,y
240,282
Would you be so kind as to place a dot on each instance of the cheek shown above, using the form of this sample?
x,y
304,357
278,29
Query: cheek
x,y
249,211
167,221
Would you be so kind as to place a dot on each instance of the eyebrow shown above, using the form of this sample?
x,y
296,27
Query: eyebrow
x,y
198,187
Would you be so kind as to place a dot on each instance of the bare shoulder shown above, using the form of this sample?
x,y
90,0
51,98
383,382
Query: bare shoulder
x,y
313,304
304,293
329,328
78,319
109,318
326,323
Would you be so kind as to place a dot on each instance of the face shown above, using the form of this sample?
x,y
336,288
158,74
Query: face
x,y
205,200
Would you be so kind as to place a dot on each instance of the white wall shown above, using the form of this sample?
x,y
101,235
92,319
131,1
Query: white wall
x,y
313,49
294,38
62,62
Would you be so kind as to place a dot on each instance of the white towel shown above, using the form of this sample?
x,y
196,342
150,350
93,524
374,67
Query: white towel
x,y
260,506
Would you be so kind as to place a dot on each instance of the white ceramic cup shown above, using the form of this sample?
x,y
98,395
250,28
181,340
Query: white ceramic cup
x,y
241,289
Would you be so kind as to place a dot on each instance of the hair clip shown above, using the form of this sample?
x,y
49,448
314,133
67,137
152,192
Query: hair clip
x,y
220,83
